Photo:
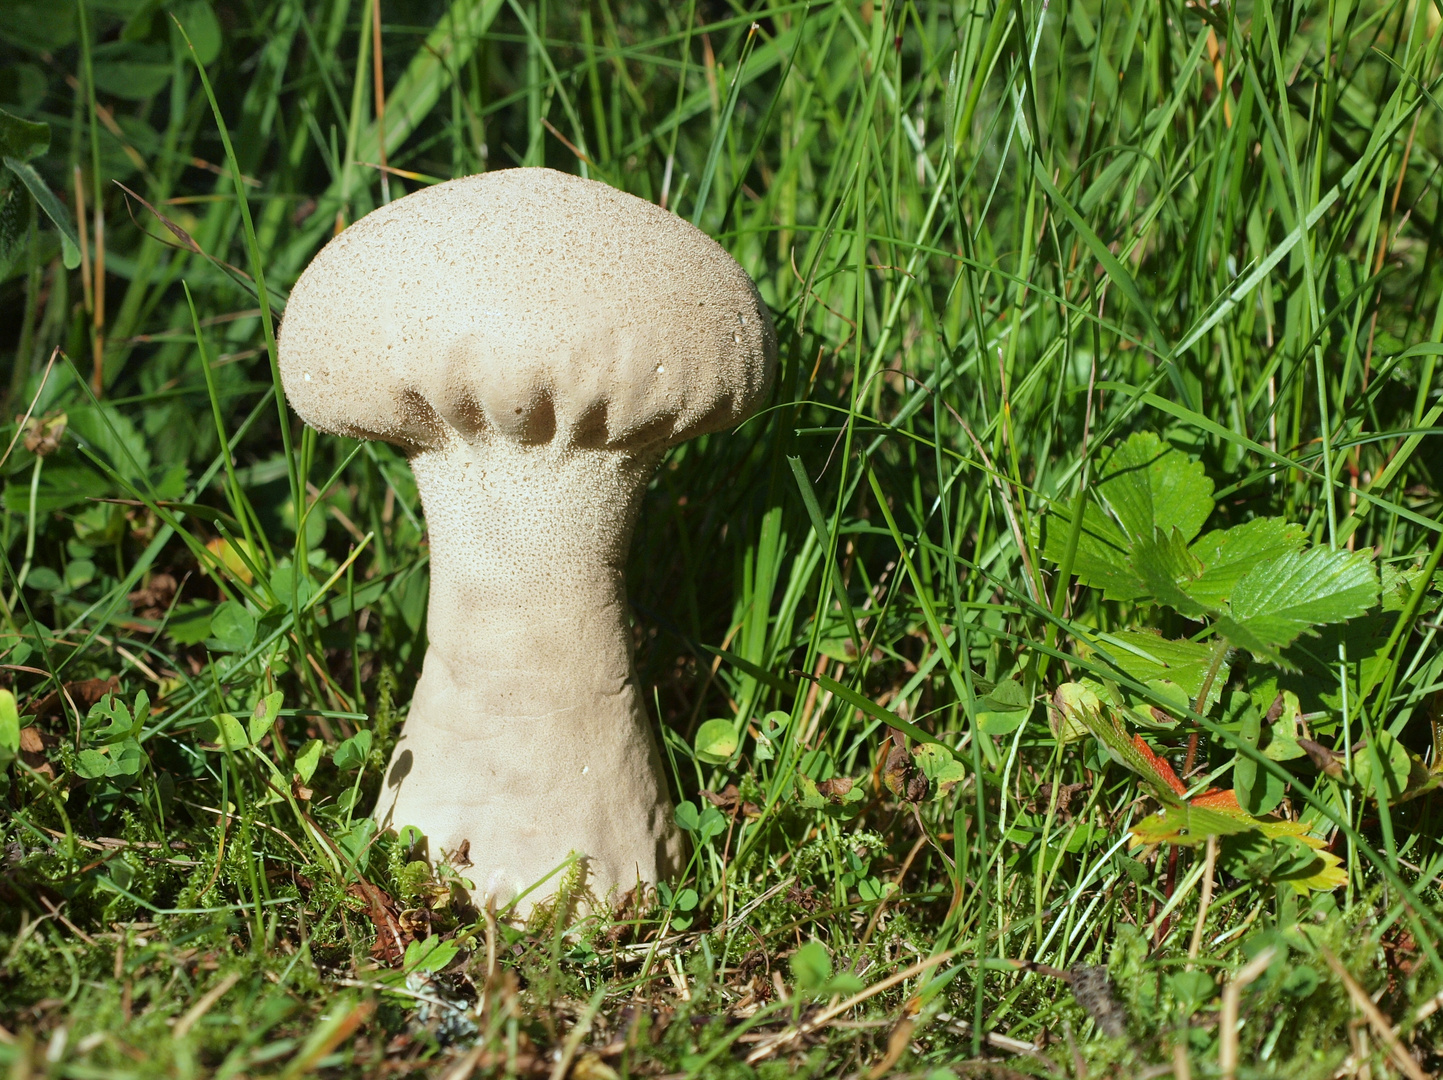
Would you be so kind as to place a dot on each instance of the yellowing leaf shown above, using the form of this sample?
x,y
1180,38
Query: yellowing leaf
x,y
222,549
9,723
716,741
1188,826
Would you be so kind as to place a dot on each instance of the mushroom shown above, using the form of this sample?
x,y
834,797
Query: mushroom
x,y
533,342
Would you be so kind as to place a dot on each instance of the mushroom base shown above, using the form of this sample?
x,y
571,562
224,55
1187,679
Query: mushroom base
x,y
527,740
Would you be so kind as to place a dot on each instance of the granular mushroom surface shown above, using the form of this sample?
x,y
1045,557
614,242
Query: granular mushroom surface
x,y
534,342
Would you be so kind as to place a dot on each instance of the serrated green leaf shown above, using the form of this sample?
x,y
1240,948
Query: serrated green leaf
x,y
1101,559
1152,658
1164,564
14,227
1080,705
1148,484
114,436
1227,554
1278,601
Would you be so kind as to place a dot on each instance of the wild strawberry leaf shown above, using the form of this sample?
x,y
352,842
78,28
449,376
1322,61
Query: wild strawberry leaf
x,y
1311,866
1147,484
1228,554
1080,705
1162,561
1143,486
1188,825
1153,659
1101,558
1276,602
1155,768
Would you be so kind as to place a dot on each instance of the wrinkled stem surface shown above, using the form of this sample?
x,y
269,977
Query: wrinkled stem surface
x,y
527,739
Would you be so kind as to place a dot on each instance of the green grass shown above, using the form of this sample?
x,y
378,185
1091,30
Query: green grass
x,y
998,239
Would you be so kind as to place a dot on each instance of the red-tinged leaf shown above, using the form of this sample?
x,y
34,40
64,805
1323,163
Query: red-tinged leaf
x,y
1162,771
1225,802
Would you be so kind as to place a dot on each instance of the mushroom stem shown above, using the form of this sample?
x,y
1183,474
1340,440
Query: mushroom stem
x,y
527,735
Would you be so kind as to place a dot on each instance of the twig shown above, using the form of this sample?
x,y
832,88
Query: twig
x,y
1181,1067
1001,1042
55,911
379,78
20,427
1207,899
576,1034
203,1006
825,1016
673,943
1428,1008
1232,998
463,1069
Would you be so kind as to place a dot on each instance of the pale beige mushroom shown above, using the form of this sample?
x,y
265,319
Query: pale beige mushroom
x,y
534,342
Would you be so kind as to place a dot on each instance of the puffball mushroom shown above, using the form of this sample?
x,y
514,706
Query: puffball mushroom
x,y
534,342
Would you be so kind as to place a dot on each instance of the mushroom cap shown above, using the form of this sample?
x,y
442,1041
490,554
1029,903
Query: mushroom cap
x,y
529,305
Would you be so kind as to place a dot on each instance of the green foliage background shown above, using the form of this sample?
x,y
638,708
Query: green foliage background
x,y
1020,255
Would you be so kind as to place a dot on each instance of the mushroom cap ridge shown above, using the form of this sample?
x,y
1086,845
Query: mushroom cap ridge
x,y
530,305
